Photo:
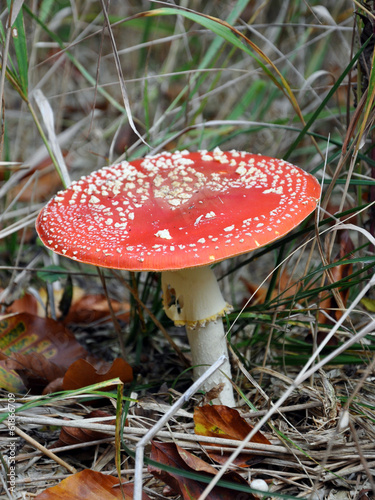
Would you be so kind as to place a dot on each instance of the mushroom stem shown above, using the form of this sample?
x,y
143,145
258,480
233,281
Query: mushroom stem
x,y
192,298
207,344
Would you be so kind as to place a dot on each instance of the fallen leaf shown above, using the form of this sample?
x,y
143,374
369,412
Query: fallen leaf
x,y
75,435
82,373
226,423
35,370
85,307
24,334
89,485
89,308
41,189
26,303
41,355
364,495
191,489
54,386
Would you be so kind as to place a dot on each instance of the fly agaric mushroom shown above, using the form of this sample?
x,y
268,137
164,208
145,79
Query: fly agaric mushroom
x,y
177,213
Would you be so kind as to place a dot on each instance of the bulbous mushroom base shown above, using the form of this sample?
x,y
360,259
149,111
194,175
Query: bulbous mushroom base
x,y
207,344
192,298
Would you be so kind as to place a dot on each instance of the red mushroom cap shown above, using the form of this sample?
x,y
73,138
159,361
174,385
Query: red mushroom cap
x,y
177,210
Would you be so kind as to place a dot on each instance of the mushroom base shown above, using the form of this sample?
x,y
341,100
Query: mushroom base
x,y
207,344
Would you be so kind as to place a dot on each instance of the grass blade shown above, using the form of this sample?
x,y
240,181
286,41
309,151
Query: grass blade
x,y
234,37
19,41
325,101
49,122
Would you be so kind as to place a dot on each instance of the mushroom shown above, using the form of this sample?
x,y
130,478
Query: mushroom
x,y
178,213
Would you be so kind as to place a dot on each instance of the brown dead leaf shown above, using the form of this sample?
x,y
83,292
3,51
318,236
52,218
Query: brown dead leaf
x,y
89,308
226,423
35,370
190,489
75,435
41,355
82,373
89,485
86,308
364,495
25,334
257,293
26,303
54,386
41,190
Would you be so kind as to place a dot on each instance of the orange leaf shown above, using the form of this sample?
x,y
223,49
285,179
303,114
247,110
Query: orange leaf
x,y
190,489
89,485
82,373
226,423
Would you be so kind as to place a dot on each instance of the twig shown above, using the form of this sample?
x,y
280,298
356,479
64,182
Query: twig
x,y
346,471
365,464
27,456
43,449
284,409
132,432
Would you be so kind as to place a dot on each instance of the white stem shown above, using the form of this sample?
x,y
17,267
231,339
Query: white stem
x,y
207,344
192,298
